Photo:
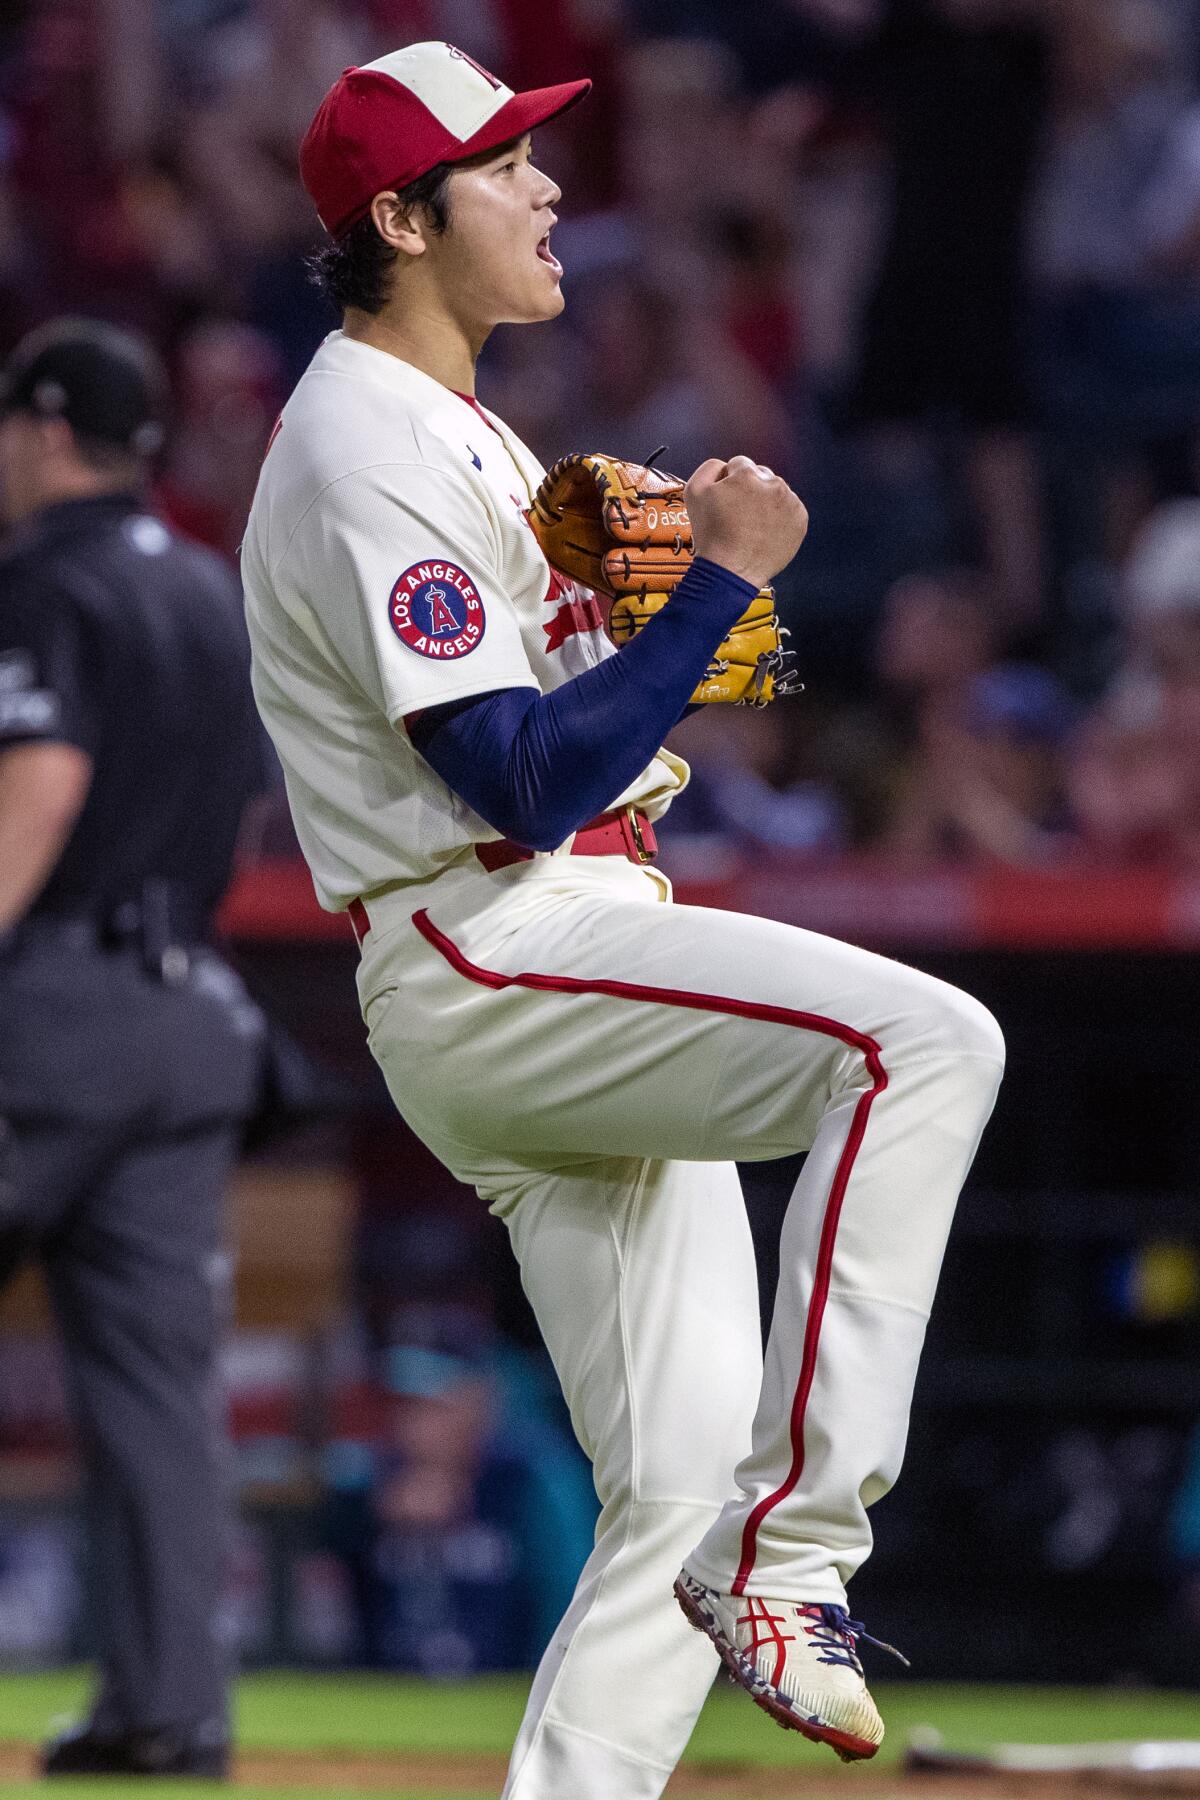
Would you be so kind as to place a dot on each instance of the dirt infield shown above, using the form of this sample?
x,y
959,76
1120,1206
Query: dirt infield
x,y
374,1773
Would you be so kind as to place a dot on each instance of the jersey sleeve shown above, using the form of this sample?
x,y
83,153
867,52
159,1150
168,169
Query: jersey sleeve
x,y
400,569
45,693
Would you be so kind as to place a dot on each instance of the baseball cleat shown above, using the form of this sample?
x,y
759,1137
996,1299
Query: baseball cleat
x,y
799,1663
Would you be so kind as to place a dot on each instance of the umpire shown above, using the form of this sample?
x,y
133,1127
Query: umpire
x,y
129,1054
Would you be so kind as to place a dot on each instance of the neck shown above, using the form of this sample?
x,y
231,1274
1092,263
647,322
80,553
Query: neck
x,y
426,337
72,483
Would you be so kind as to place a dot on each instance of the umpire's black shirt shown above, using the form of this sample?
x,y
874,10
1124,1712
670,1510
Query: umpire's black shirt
x,y
128,642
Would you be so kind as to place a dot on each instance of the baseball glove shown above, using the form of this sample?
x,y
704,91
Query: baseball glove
x,y
624,530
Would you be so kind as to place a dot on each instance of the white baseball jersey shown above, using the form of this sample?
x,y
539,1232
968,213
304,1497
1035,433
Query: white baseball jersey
x,y
388,567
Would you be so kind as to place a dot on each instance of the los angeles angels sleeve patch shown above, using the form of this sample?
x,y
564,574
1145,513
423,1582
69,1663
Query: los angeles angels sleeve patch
x,y
436,610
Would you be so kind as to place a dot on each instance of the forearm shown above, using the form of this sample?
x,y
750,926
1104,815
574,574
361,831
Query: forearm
x,y
25,867
42,787
537,767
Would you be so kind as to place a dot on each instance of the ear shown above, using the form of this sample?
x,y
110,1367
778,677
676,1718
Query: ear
x,y
401,226
55,437
44,440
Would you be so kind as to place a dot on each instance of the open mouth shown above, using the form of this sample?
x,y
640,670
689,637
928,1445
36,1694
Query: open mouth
x,y
546,255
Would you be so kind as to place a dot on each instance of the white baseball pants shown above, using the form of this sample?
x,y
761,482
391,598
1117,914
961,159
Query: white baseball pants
x,y
594,1059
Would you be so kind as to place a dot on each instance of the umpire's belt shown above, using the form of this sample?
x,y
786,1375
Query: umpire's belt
x,y
160,924
627,833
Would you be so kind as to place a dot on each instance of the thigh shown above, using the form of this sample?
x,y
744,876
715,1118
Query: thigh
x,y
605,1026
56,1115
45,1164
137,1275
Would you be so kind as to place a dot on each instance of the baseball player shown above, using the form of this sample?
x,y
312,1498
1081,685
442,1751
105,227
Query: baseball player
x,y
474,771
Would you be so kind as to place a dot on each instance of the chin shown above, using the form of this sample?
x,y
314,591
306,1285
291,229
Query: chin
x,y
534,308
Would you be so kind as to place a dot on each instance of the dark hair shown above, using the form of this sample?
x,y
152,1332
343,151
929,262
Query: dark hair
x,y
354,269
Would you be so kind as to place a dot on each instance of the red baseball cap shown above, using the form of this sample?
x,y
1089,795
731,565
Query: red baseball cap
x,y
383,125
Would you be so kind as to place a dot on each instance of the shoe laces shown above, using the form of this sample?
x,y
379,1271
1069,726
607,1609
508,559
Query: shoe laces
x,y
838,1636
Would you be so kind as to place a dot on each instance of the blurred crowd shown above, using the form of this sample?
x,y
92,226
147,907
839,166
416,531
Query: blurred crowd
x,y
937,260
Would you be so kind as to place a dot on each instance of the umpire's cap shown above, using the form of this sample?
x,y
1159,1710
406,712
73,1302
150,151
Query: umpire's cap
x,y
106,384
394,119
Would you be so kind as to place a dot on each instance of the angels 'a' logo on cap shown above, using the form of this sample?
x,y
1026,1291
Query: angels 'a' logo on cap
x,y
436,610
461,56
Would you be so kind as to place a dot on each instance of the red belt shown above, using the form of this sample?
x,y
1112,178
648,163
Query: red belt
x,y
627,833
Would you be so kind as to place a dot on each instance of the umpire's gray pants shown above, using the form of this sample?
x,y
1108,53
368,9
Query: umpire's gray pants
x,y
123,1100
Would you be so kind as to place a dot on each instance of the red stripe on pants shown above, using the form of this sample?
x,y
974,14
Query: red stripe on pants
x,y
816,1311
771,1015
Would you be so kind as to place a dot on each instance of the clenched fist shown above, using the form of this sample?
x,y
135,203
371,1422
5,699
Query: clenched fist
x,y
745,518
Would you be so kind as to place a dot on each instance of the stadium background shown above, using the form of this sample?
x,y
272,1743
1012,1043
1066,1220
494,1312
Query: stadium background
x,y
940,263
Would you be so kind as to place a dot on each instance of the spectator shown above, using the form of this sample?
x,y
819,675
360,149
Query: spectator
x,y
977,744
965,85
1116,246
761,313
744,793
462,1540
657,372
680,114
986,785
17,285
939,631
1184,1537
260,76
532,379
1127,791
1136,772
230,390
1162,600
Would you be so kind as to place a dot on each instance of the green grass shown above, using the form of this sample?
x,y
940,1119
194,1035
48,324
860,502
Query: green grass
x,y
384,1713
204,1790
387,1715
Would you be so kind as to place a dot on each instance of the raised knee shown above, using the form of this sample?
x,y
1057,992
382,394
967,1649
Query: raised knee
x,y
953,1024
976,1030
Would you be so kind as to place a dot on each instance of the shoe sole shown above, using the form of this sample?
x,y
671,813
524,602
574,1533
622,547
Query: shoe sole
x,y
211,1772
776,1705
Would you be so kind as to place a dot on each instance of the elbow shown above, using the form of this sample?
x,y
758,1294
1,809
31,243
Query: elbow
x,y
541,829
547,843
537,834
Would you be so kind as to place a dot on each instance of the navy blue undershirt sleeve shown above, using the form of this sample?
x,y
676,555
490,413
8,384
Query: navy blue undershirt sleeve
x,y
538,766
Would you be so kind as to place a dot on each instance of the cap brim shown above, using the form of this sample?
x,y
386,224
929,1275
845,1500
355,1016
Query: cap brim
x,y
524,112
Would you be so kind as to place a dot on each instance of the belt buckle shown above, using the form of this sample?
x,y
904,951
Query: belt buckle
x,y
644,855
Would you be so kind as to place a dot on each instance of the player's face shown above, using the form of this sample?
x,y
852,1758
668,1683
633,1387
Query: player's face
x,y
496,259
